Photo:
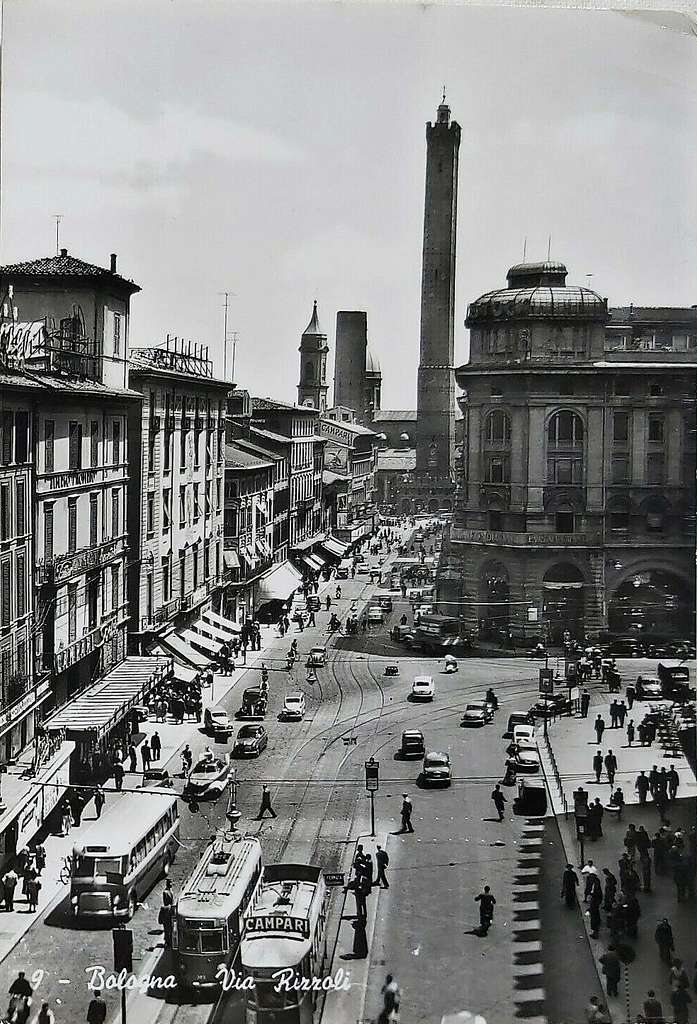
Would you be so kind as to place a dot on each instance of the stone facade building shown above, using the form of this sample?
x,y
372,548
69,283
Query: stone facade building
x,y
576,499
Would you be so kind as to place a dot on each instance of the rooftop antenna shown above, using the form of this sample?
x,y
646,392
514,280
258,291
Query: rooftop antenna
x,y
58,217
589,276
525,247
549,247
225,338
443,101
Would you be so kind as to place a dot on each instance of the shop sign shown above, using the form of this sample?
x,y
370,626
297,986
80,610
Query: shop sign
x,y
25,702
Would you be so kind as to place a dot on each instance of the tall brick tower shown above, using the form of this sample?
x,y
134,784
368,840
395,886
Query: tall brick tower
x,y
436,381
312,389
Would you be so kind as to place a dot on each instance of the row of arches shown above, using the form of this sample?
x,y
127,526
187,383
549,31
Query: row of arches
x,y
565,429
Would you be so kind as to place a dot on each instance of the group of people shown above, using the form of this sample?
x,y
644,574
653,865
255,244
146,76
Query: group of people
x,y
179,699
21,994
28,866
361,883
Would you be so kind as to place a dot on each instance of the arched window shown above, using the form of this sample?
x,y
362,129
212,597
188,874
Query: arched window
x,y
309,371
565,430
498,427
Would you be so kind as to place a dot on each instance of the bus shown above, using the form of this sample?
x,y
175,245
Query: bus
x,y
285,945
438,633
123,855
210,909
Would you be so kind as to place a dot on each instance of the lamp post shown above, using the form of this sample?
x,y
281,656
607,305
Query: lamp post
x,y
581,813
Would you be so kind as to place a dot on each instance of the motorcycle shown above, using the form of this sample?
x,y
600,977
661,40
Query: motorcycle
x,y
18,1010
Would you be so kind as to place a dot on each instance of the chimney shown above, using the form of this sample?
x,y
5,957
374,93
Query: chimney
x,y
112,264
64,252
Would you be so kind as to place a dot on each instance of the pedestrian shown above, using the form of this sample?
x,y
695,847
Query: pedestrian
x,y
165,917
99,799
664,940
653,780
610,881
610,767
662,782
631,696
612,967
133,760
311,618
594,904
66,817
45,1015
145,755
678,975
598,764
569,883
661,802
645,865
361,891
40,857
391,995
168,895
76,808
155,746
630,731
632,913
118,776
614,715
680,999
599,727
266,804
653,1008
643,843
585,703
590,877
592,1009
328,602
641,733
359,860
630,842
96,1011
406,813
33,889
499,800
673,783
367,872
360,939
382,860
594,820
10,880
187,759
642,786
622,713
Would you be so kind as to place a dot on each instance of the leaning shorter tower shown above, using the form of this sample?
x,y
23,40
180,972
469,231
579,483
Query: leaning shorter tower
x,y
312,389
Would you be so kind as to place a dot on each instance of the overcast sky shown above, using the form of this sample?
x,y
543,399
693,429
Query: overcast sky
x,y
278,152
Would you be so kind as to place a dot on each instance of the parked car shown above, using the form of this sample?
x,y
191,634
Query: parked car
x,y
524,735
208,778
375,615
527,760
532,797
293,707
436,770
251,741
413,744
156,778
517,718
475,715
403,634
141,712
317,657
216,722
548,707
625,648
313,603
648,688
385,602
422,688
343,572
683,649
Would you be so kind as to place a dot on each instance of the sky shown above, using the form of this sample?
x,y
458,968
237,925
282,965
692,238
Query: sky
x,y
277,152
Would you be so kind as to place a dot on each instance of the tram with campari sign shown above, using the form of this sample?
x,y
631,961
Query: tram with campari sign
x,y
284,946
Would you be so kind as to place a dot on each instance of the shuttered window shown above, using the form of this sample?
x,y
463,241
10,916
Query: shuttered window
x,y
49,432
7,429
114,513
75,447
72,525
5,512
72,613
93,520
116,442
21,436
5,597
48,533
20,509
21,658
21,567
114,587
94,443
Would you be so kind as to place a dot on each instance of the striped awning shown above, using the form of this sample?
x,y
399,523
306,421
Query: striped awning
x,y
204,643
335,547
106,703
209,629
279,583
231,560
183,651
227,625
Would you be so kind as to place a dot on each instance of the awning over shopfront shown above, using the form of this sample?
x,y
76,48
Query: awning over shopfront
x,y
231,560
209,629
279,583
184,675
183,651
226,625
206,644
104,704
335,547
263,548
308,561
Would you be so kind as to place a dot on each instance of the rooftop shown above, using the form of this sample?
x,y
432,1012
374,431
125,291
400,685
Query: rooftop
x,y
394,415
237,458
397,459
66,266
313,327
628,315
538,290
273,405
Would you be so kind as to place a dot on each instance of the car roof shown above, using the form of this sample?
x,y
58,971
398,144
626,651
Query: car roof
x,y
437,754
295,696
415,733
249,730
423,679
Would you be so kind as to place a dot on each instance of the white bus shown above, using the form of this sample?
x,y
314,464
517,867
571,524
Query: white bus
x,y
123,855
285,931
210,909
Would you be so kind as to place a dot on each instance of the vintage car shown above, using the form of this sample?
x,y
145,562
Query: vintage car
x,y
436,770
375,615
413,744
317,657
217,723
208,778
475,715
532,797
251,740
517,718
254,703
422,688
527,761
293,707
156,778
648,688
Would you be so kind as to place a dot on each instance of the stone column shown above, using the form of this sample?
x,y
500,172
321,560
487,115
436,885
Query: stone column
x,y
537,446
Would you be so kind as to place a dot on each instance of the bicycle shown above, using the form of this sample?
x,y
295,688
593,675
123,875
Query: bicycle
x,y
64,874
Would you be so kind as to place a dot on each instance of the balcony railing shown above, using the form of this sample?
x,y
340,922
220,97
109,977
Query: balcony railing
x,y
77,650
459,535
161,616
62,567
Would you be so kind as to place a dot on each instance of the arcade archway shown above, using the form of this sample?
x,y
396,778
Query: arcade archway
x,y
494,608
563,601
652,602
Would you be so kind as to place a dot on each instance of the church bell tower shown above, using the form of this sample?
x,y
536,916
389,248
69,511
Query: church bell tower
x,y
312,389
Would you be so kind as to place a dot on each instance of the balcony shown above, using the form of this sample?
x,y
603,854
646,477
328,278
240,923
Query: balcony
x,y
161,617
502,538
77,650
61,567
71,478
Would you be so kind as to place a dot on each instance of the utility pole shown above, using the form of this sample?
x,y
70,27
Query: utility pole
x,y
58,217
225,335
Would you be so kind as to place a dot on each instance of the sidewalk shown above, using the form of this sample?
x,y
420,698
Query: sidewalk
x,y
573,743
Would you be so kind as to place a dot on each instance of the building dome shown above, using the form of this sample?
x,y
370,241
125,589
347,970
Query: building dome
x,y
538,290
372,364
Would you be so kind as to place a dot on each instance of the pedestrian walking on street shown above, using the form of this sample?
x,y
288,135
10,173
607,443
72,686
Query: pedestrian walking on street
x,y
631,696
311,618
46,1015
382,861
645,865
96,1011
653,780
499,800
590,877
680,1000
168,895
132,758
614,715
145,755
66,817
642,787
9,881
487,902
661,802
585,703
99,799
610,881
653,1008
118,777
33,888
569,884
165,917
328,602
664,940
266,804
391,995
360,940
76,808
155,746
187,759
612,968
630,843
630,731
406,813
40,857
598,764
610,767
632,913
594,903
599,726
673,783
622,713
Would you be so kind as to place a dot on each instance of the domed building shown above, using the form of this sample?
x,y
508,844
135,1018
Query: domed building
x,y
575,501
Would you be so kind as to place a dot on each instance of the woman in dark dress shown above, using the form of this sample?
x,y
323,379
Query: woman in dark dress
x,y
360,939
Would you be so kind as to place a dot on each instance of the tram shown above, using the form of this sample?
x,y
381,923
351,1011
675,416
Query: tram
x,y
210,910
284,947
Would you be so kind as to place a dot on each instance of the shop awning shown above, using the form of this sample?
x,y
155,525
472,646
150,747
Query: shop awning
x,y
184,651
209,629
307,560
335,547
231,560
104,704
263,548
227,625
573,585
207,645
279,583
316,561
184,675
